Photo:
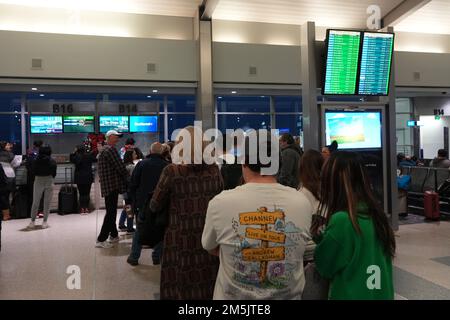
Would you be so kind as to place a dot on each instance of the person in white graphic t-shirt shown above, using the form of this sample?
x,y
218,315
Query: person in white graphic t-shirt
x,y
259,230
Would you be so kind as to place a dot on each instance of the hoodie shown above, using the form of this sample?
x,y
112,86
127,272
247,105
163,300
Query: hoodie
x,y
44,166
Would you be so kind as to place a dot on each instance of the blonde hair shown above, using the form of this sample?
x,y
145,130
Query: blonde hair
x,y
194,134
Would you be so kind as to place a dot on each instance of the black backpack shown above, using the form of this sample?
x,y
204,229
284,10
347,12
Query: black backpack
x,y
151,225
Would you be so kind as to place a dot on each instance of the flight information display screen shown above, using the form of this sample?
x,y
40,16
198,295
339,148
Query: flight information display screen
x,y
118,123
46,124
78,124
342,62
376,60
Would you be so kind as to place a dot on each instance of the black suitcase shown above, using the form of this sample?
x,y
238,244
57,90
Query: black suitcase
x,y
20,208
67,196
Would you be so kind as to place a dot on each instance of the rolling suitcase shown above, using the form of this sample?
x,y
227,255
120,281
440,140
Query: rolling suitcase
x,y
67,196
431,205
20,207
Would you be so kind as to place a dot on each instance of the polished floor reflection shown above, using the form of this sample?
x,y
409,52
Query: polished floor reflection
x,y
33,264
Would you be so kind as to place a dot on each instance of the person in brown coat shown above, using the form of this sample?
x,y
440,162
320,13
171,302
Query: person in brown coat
x,y
188,272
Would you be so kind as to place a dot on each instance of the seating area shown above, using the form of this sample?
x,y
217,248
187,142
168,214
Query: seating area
x,y
426,179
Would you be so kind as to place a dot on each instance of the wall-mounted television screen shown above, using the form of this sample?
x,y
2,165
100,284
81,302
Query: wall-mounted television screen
x,y
143,123
78,124
118,123
342,62
353,129
46,124
375,67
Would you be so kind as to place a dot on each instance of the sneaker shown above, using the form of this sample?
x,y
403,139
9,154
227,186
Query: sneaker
x,y
113,240
31,225
122,228
44,225
104,244
40,215
132,262
132,231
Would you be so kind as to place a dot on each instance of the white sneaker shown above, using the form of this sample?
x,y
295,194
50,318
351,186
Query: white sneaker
x,y
103,244
45,225
113,240
31,225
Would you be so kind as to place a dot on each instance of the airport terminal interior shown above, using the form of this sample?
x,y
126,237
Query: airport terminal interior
x,y
372,75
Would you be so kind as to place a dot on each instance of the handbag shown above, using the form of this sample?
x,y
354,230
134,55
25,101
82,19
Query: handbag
x,y
151,225
316,287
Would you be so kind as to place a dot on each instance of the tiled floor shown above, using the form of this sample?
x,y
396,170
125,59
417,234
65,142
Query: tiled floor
x,y
33,264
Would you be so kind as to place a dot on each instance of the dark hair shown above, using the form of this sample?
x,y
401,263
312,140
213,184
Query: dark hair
x,y
333,146
442,153
128,157
400,157
139,153
38,143
3,145
249,153
45,150
344,185
81,148
288,138
130,141
310,166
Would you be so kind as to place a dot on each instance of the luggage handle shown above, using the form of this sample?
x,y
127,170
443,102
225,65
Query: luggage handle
x,y
66,183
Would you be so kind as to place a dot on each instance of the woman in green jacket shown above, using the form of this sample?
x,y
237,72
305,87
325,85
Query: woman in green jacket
x,y
356,248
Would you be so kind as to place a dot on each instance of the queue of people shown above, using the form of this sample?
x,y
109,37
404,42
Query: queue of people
x,y
231,236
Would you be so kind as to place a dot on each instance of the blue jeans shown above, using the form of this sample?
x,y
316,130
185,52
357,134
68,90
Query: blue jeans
x,y
136,249
123,217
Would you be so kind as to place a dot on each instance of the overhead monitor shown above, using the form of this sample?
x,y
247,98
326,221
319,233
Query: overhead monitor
x,y
118,123
353,129
78,124
143,123
342,62
376,58
46,124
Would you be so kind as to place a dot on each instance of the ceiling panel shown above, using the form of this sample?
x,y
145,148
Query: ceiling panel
x,y
183,8
433,17
333,13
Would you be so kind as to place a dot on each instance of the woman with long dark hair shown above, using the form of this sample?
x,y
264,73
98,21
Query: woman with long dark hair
x,y
310,167
356,249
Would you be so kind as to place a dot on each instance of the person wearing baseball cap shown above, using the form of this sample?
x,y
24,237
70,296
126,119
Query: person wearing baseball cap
x,y
113,178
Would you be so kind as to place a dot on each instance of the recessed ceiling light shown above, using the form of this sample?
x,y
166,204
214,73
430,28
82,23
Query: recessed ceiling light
x,y
219,97
42,95
149,96
233,92
33,89
155,91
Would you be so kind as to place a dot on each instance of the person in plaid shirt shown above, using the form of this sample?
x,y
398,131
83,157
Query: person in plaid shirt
x,y
113,177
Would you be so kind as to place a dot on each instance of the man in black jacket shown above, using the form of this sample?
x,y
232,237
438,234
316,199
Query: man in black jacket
x,y
290,159
144,179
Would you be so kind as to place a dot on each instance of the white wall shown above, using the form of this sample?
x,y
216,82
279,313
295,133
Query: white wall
x,y
426,105
93,57
422,42
432,135
434,69
275,64
289,34
48,20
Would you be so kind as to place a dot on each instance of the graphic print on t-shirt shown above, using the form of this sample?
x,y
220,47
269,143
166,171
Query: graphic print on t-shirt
x,y
267,241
